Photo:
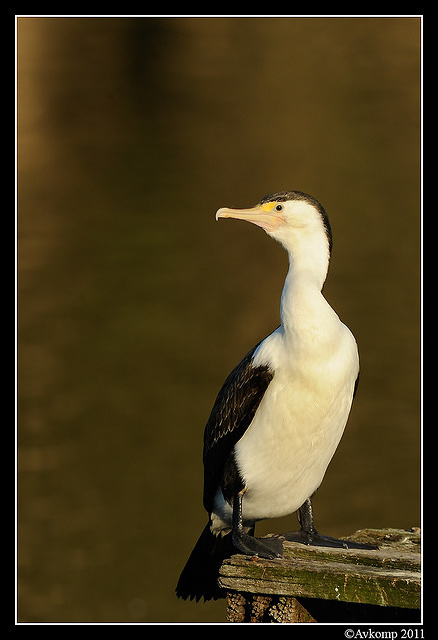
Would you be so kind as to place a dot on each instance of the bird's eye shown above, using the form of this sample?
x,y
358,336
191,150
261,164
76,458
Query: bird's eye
x,y
279,207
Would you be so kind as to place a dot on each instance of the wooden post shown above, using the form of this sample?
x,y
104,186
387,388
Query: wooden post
x,y
319,584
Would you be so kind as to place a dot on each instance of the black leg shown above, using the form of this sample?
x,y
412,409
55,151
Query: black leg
x,y
249,545
309,535
305,517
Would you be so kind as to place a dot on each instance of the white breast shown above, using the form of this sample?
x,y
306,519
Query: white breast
x,y
284,454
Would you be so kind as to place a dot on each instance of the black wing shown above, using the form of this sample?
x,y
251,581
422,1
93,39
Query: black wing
x,y
230,417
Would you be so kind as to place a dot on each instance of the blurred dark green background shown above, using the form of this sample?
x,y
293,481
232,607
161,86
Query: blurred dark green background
x,y
134,304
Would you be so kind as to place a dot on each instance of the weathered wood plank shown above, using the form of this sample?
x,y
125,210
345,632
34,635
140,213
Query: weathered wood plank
x,y
388,576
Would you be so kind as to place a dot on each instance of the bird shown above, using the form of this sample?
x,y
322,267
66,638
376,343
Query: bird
x,y
280,414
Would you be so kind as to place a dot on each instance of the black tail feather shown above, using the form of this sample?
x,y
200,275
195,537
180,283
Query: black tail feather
x,y
199,578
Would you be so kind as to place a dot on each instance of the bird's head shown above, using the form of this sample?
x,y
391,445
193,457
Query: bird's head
x,y
291,217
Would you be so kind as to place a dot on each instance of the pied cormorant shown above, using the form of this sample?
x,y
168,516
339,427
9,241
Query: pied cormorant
x,y
280,414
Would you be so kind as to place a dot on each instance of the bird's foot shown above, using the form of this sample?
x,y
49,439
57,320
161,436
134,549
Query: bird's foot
x,y
269,548
318,540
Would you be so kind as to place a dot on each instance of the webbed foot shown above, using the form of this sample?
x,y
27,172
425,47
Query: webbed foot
x,y
318,540
269,548
309,535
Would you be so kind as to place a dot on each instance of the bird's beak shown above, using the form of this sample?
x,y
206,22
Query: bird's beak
x,y
264,216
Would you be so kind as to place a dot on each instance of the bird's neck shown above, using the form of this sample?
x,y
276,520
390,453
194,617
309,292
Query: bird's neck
x,y
304,310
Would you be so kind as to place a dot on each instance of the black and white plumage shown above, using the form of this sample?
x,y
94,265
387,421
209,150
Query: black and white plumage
x,y
280,414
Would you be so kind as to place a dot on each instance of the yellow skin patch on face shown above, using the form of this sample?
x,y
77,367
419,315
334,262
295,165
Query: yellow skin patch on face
x,y
268,206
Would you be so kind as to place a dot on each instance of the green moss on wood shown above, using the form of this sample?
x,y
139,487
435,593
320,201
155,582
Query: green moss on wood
x,y
388,576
